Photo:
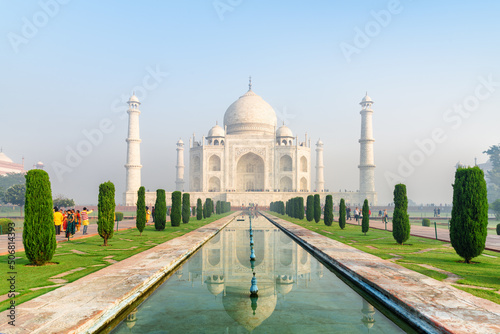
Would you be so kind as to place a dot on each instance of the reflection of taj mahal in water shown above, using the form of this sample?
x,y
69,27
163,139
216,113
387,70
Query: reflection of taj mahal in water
x,y
213,288
252,160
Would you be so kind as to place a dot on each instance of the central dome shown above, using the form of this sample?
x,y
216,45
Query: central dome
x,y
250,114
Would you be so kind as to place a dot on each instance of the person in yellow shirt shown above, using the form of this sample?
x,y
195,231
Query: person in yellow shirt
x,y
58,220
84,216
148,214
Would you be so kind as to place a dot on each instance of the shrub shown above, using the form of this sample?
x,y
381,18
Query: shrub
x,y
140,219
176,210
160,217
300,207
498,229
106,211
4,222
199,209
426,222
317,208
39,235
186,208
469,215
365,222
208,207
118,216
400,218
310,208
342,214
328,216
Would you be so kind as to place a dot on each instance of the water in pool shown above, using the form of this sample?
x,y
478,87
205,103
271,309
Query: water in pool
x,y
210,293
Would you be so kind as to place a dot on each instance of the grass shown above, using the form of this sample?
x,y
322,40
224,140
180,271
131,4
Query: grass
x,y
121,246
484,272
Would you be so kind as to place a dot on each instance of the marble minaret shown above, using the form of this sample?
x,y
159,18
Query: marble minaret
x,y
320,178
179,181
133,165
367,162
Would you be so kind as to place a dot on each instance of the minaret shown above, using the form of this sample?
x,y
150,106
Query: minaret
x,y
179,181
320,178
367,163
133,165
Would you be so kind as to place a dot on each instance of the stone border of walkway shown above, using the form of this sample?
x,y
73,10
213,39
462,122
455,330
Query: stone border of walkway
x,y
427,304
88,304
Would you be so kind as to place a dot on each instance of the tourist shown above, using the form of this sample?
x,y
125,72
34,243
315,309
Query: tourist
x,y
58,220
148,214
380,213
439,212
356,215
78,220
386,216
70,227
65,220
348,212
85,219
153,213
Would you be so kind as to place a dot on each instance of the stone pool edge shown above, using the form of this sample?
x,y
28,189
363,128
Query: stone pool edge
x,y
88,304
429,305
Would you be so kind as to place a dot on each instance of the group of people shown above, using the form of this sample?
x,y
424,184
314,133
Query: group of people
x,y
70,221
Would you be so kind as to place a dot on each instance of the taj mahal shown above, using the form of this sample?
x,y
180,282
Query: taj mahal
x,y
251,159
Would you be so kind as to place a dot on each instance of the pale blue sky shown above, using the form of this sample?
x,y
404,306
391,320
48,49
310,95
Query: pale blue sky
x,y
70,74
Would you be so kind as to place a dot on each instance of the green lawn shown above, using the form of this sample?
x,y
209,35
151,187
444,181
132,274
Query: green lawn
x,y
484,272
123,245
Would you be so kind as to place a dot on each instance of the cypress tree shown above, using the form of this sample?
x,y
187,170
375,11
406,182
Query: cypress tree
x,y
317,208
310,208
199,209
365,223
300,207
176,210
208,207
140,220
186,207
469,215
106,211
342,214
204,210
39,237
160,210
328,219
218,208
400,218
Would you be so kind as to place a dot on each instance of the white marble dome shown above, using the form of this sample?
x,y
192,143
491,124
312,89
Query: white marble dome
x,y
133,98
250,114
5,158
216,131
284,131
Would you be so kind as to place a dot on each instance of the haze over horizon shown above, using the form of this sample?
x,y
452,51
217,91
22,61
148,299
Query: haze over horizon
x,y
69,67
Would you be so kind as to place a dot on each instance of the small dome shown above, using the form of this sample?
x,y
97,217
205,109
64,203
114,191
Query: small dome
x,y
133,98
180,141
319,143
366,98
284,131
216,131
4,158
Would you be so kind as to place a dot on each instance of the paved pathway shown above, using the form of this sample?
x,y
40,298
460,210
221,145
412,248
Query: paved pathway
x,y
92,230
492,241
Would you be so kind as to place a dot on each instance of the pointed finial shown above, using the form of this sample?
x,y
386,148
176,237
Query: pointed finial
x,y
216,122
250,83
366,93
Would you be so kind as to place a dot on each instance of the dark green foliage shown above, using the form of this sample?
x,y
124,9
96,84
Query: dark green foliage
x,y
426,222
140,220
208,207
310,208
63,202
469,215
118,216
365,222
176,210
186,208
498,229
106,211
8,180
199,209
328,218
494,173
15,195
160,218
300,207
278,207
495,206
204,211
4,222
400,218
218,208
317,208
342,214
39,235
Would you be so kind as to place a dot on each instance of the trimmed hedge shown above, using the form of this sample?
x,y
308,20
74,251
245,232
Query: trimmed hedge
x,y
199,209
140,218
310,208
317,208
426,222
106,211
328,218
176,210
342,214
400,218
160,217
186,208
365,222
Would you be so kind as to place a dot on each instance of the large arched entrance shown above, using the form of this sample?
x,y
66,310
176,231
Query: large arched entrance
x,y
250,173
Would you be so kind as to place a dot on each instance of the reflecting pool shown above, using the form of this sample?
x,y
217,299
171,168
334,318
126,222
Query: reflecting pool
x,y
210,293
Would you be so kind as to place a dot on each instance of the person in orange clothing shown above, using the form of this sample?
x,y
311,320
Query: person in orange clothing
x,y
65,220
58,220
78,220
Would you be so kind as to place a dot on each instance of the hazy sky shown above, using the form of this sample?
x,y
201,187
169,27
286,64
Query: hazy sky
x,y
432,69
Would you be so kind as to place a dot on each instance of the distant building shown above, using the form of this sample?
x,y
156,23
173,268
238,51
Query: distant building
x,y
8,166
